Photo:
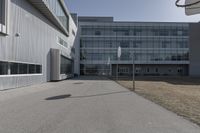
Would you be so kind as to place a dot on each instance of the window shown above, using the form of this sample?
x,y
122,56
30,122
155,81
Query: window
x,y
137,44
156,70
179,33
38,69
3,16
164,32
57,9
31,69
62,42
164,46
12,68
2,10
137,32
3,68
98,33
138,69
148,70
180,70
124,44
123,70
66,66
126,33
23,68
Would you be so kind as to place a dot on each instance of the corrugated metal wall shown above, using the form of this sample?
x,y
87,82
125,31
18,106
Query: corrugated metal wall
x,y
30,39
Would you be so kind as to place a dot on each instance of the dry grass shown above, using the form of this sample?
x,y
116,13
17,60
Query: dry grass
x,y
180,95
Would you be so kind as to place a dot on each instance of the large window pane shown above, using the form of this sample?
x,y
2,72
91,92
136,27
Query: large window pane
x,y
57,9
3,68
32,69
38,69
2,11
14,67
23,68
66,66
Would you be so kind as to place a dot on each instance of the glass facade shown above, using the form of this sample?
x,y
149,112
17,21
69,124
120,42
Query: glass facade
x,y
66,66
151,43
58,10
94,69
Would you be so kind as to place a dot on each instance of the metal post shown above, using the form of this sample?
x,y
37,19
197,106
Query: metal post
x,y
109,65
117,69
119,52
133,72
110,70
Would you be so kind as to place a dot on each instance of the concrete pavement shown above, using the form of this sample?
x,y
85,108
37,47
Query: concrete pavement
x,y
94,106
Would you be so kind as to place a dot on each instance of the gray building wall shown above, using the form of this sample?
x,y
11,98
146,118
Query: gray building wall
x,y
194,34
30,38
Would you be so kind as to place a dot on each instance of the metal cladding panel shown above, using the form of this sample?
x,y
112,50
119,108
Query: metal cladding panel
x,y
55,64
30,40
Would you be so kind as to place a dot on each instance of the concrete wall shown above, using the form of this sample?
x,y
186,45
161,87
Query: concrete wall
x,y
194,42
36,36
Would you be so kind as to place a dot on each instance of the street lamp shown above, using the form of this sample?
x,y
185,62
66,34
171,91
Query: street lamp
x,y
119,52
109,64
133,61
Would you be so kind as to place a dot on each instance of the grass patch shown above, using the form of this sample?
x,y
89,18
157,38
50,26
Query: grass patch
x,y
178,94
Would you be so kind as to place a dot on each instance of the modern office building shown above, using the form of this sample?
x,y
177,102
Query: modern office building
x,y
36,42
41,41
156,48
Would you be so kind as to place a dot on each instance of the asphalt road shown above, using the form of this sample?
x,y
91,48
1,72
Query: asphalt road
x,y
85,106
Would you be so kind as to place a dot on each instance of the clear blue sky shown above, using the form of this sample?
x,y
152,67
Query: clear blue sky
x,y
132,10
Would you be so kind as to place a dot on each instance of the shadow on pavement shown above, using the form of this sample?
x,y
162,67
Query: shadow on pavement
x,y
78,83
84,96
58,97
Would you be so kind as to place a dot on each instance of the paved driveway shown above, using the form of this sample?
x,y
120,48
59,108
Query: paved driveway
x,y
95,106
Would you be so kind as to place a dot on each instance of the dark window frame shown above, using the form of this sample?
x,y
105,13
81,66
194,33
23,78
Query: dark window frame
x,y
2,12
3,68
19,68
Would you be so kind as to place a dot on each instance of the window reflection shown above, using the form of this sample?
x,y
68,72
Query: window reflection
x,y
58,10
66,66
150,44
